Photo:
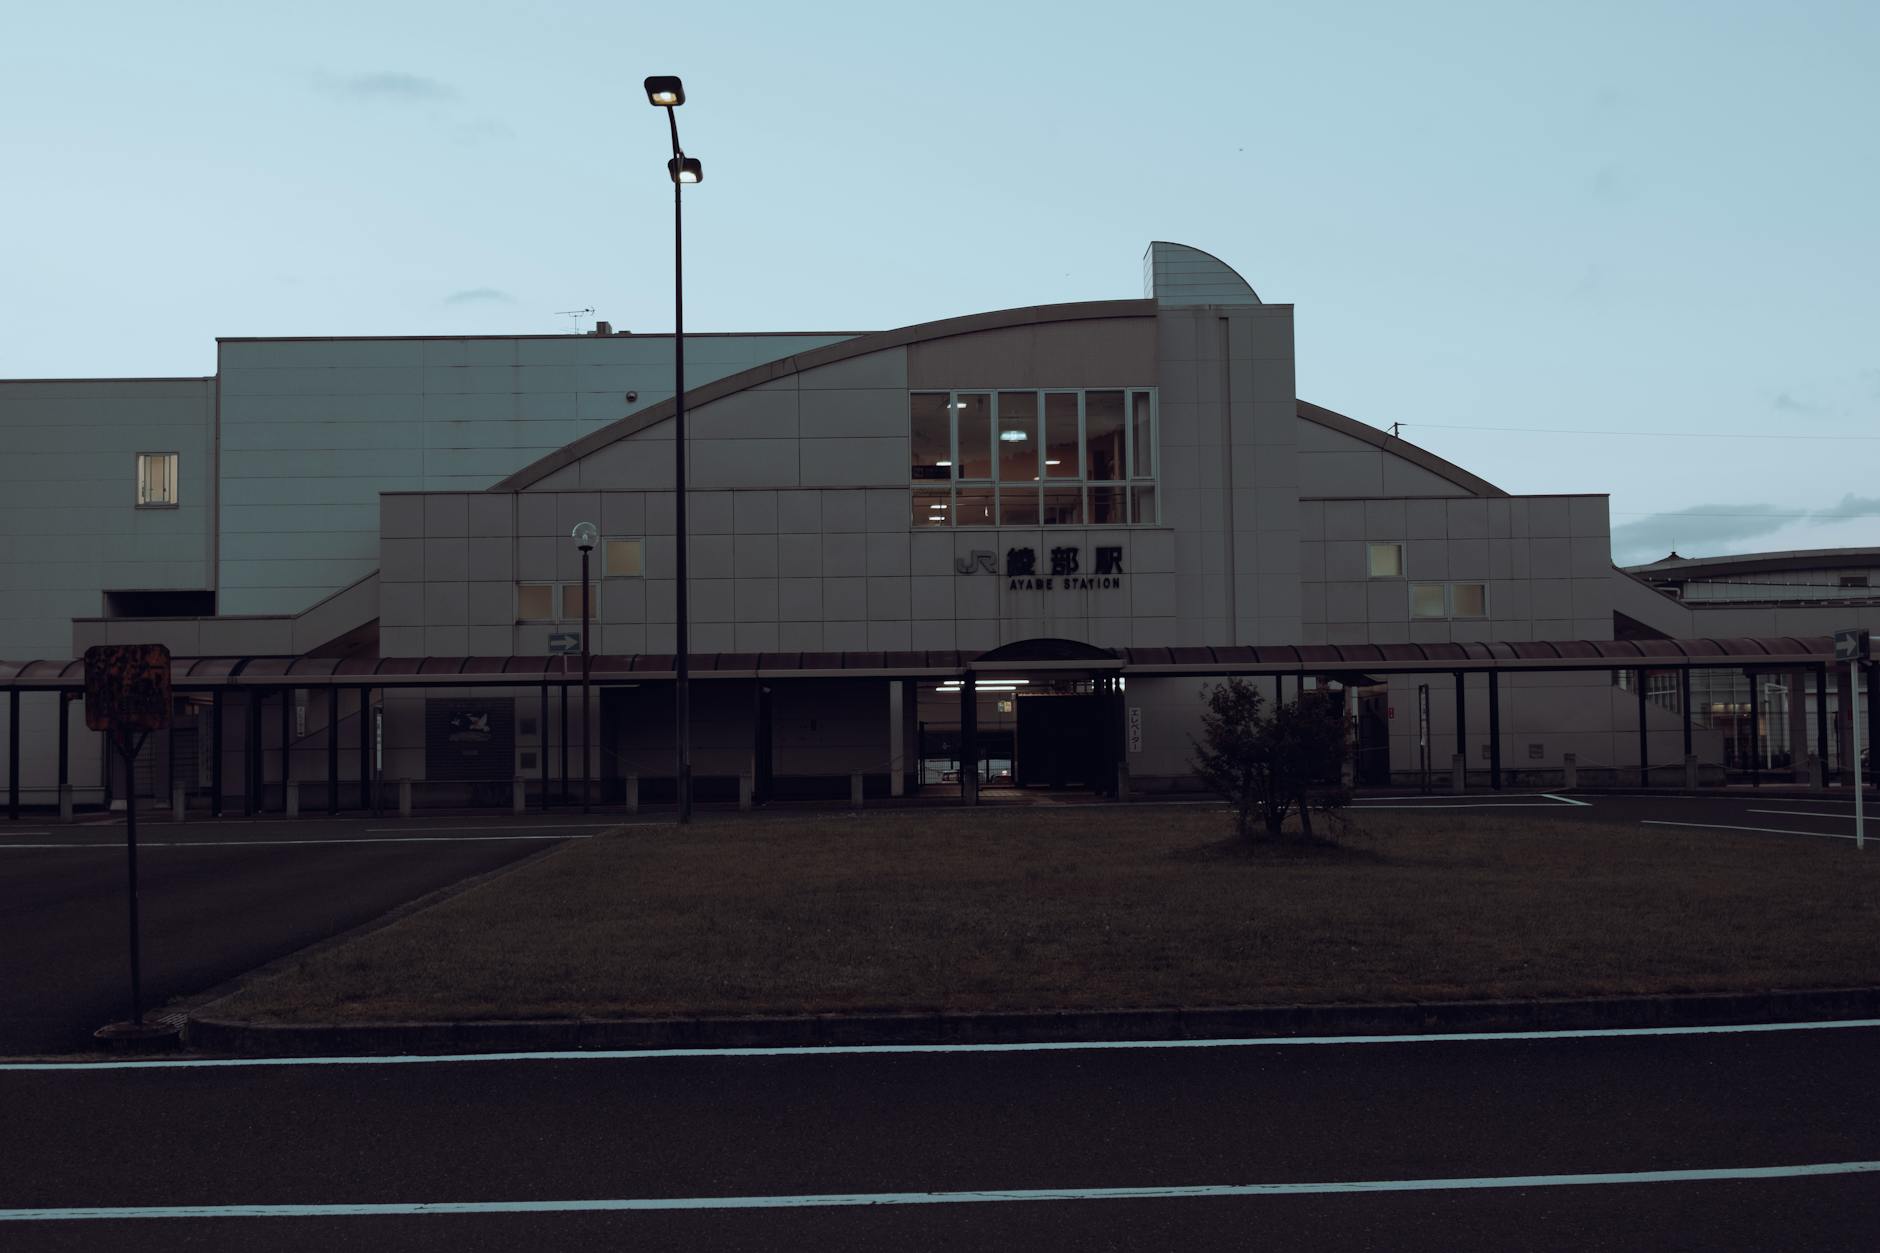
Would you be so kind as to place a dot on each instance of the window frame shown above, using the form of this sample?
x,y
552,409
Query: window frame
x,y
922,492
1370,564
173,464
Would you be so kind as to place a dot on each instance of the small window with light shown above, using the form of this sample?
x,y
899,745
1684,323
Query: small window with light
x,y
156,480
1386,561
624,559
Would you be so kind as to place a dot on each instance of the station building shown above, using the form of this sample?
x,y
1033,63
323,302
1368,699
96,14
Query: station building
x,y
1008,549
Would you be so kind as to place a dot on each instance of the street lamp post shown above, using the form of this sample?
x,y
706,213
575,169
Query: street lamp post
x,y
585,535
664,91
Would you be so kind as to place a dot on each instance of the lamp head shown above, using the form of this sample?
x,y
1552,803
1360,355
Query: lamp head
x,y
685,170
664,91
586,535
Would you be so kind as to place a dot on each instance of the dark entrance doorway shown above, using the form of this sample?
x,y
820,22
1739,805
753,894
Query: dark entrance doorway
x,y
1373,764
1061,741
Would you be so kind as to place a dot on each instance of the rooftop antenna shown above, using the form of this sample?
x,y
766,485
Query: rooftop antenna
x,y
573,316
1396,430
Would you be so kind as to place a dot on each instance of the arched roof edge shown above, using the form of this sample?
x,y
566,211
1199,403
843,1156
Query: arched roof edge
x,y
1332,420
830,354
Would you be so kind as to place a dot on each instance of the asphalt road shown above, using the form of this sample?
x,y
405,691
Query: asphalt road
x,y
217,900
744,1139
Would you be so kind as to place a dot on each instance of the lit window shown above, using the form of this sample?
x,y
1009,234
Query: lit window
x,y
625,558
1426,601
156,479
535,602
1029,458
1468,600
571,602
932,430
1386,561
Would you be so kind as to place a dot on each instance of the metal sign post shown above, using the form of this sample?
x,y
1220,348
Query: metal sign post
x,y
127,696
1853,648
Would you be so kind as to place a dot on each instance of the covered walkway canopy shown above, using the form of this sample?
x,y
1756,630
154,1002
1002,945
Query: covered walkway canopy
x,y
1330,660
1348,663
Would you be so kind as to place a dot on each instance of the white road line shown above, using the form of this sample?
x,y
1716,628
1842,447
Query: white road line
x,y
532,826
831,1050
1568,800
1465,805
1800,813
403,839
1719,826
13,833
832,1199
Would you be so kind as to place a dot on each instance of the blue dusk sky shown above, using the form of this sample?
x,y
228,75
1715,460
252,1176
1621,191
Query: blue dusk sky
x,y
1591,247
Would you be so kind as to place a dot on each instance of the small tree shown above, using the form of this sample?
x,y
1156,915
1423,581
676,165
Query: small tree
x,y
1271,765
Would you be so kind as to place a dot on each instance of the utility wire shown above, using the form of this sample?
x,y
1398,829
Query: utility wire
x,y
1563,430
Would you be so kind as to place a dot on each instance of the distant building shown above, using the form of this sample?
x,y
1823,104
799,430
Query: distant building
x,y
1076,514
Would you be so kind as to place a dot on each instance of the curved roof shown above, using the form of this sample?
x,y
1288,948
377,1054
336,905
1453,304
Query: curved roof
x,y
1751,563
1398,448
1180,274
783,367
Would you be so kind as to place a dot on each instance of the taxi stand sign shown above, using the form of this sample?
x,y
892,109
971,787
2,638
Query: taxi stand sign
x,y
1853,647
127,696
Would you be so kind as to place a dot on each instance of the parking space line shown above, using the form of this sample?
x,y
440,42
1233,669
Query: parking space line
x,y
403,839
1568,800
1719,826
979,1196
1801,813
530,826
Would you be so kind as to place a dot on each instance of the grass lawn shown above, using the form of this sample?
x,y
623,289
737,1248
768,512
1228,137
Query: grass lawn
x,y
1100,908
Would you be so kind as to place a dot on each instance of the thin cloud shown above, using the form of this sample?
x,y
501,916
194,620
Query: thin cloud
x,y
1699,530
397,86
1788,402
477,295
1851,506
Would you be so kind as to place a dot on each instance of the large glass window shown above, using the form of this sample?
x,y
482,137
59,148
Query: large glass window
x,y
973,421
1103,436
1026,458
1063,455
932,431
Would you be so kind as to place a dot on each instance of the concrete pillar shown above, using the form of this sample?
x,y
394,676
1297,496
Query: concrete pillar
x,y
1814,771
179,803
1570,770
290,790
65,803
1458,772
404,798
519,797
897,739
744,792
633,793
855,790
1690,772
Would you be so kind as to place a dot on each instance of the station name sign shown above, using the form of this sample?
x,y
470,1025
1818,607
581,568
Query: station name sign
x,y
1064,571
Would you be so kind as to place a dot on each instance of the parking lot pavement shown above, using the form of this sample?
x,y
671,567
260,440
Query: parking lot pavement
x,y
1828,815
217,899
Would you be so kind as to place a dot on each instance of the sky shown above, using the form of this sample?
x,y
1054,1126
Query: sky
x,y
1623,248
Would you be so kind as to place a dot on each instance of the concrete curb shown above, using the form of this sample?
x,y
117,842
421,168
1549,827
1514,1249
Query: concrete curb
x,y
219,1036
